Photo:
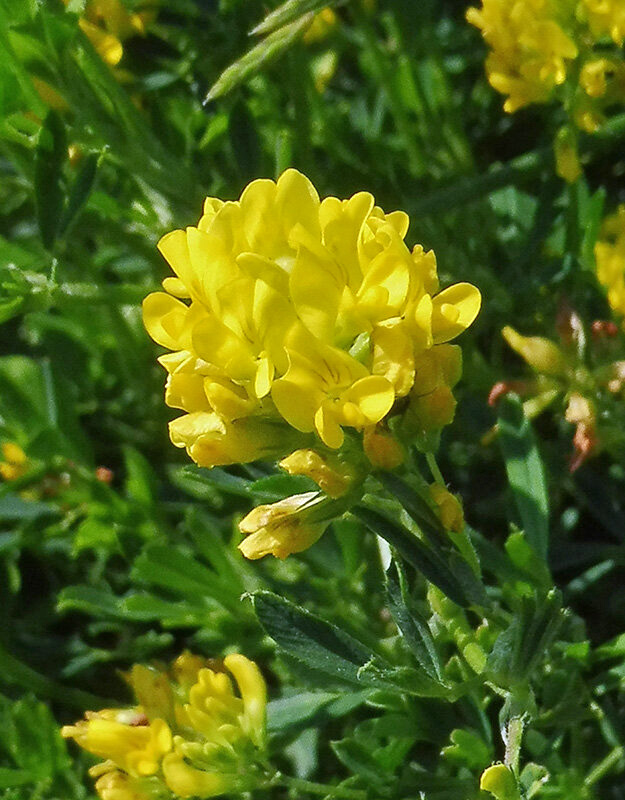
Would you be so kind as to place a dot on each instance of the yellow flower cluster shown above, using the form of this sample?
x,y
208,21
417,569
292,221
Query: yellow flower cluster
x,y
14,463
610,258
293,319
529,48
189,734
538,45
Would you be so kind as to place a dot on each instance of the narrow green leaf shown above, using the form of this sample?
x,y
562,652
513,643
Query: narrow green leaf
x,y
168,568
49,159
413,627
416,553
297,711
289,12
15,777
525,473
80,191
319,644
274,45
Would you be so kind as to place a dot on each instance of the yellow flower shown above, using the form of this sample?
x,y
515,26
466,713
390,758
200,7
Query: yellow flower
x,y
610,259
381,448
567,157
323,23
116,785
186,781
541,354
288,526
292,315
606,17
449,508
125,737
15,462
529,48
432,404
329,389
332,475
210,744
107,24
211,440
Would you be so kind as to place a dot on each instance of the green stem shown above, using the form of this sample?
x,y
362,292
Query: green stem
x,y
322,789
605,766
125,294
434,469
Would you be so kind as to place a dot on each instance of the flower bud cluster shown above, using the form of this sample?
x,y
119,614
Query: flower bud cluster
x,y
538,46
189,735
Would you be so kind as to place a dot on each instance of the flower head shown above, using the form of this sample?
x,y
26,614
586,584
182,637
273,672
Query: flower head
x,y
530,48
190,733
293,320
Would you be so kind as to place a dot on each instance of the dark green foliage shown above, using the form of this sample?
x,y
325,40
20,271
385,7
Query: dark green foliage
x,y
392,675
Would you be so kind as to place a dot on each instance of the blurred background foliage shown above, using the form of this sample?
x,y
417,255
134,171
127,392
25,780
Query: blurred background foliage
x,y
112,548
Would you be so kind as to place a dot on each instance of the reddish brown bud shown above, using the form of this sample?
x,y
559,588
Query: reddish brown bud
x,y
104,474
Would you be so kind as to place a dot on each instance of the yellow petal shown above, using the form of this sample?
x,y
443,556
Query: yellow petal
x,y
173,247
165,319
393,357
297,398
186,781
373,395
297,202
217,344
327,426
264,377
253,693
453,310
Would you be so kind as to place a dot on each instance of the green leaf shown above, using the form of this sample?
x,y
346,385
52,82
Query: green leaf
x,y
50,156
274,45
289,12
468,748
359,760
320,645
500,782
297,711
79,192
168,568
416,553
141,481
413,627
525,472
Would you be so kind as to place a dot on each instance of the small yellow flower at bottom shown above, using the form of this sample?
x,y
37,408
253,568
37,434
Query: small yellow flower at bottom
x,y
210,743
125,737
